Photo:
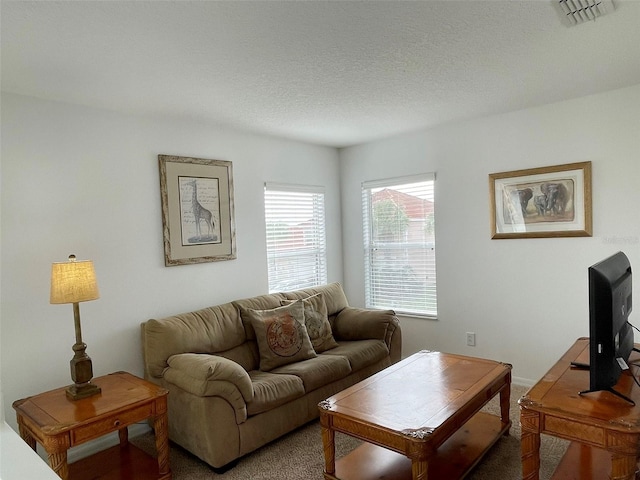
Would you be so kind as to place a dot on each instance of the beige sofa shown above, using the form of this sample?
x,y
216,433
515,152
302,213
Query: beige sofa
x,y
222,402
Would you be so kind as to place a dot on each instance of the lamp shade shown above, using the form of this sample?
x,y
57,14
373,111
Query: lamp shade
x,y
73,281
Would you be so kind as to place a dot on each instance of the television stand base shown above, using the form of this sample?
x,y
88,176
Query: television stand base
x,y
624,397
580,365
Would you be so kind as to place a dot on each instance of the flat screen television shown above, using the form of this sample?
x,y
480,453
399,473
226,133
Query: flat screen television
x,y
610,333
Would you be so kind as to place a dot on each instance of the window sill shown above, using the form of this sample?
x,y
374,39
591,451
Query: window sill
x,y
416,316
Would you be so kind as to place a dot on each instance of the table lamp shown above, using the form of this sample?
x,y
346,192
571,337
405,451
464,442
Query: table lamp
x,y
75,282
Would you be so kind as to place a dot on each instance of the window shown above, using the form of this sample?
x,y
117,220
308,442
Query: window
x,y
296,245
399,244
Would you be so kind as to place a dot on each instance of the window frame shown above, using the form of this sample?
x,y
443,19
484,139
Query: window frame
x,y
318,247
422,248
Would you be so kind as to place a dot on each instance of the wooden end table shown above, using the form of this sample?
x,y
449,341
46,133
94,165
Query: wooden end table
x,y
603,428
58,423
420,418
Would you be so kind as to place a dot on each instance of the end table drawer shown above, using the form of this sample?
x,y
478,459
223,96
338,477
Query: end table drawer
x,y
111,424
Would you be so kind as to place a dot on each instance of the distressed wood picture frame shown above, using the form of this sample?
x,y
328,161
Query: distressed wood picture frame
x,y
542,202
197,210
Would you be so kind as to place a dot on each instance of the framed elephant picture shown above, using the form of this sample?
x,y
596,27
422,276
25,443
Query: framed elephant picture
x,y
542,202
197,210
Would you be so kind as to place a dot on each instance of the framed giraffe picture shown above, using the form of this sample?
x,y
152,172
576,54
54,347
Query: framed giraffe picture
x,y
197,210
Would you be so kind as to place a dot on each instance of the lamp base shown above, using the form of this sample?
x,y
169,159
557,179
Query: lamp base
x,y
81,371
82,390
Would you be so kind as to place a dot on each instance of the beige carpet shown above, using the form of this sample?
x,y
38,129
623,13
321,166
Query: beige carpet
x,y
298,456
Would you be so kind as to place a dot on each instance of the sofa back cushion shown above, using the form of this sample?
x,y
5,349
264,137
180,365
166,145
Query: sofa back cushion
x,y
333,295
261,302
215,329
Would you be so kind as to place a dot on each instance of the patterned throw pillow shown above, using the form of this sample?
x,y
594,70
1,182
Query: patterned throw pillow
x,y
281,335
316,319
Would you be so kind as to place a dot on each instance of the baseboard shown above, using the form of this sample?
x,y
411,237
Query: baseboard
x,y
523,382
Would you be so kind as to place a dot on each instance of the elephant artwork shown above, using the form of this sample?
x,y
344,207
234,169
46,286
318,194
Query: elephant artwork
x,y
540,202
516,204
552,202
556,196
523,197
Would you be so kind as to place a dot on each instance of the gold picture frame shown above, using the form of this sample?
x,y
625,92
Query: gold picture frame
x,y
197,210
542,202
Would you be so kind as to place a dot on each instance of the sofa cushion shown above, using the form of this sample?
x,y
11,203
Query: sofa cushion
x,y
281,335
360,353
316,320
209,330
246,355
271,390
317,372
196,373
261,302
333,293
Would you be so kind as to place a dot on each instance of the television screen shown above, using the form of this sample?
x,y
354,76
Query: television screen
x,y
610,333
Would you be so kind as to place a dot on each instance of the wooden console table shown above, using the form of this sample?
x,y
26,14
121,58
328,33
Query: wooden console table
x,y
604,429
58,423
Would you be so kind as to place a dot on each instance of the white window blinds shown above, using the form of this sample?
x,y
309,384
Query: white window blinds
x,y
399,244
296,244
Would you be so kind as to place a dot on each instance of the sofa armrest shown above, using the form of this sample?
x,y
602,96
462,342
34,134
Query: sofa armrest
x,y
353,323
208,375
365,324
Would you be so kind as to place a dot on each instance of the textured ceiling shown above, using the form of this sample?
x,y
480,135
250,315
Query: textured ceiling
x,y
333,73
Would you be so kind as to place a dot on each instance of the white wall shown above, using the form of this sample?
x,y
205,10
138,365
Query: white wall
x,y
85,181
525,299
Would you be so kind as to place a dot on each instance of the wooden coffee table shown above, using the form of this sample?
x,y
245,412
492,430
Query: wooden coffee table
x,y
420,418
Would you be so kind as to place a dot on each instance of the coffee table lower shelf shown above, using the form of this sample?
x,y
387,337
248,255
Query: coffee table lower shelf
x,y
454,460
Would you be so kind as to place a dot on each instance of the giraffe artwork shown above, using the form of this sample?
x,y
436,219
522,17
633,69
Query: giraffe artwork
x,y
198,222
200,210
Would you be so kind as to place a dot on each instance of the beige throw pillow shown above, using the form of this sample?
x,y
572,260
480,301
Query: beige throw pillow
x,y
316,319
281,335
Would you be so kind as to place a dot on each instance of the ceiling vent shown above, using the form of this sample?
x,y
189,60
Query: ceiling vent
x,y
575,12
